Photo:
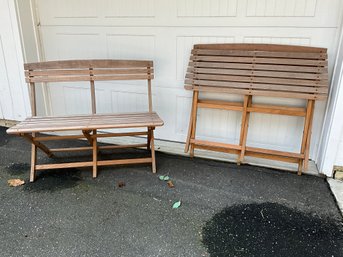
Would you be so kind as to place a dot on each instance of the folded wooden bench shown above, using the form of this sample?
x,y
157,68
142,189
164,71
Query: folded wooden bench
x,y
257,70
87,70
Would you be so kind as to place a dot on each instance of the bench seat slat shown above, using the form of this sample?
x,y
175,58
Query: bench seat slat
x,y
259,69
257,86
265,67
244,53
253,79
299,62
260,73
261,47
271,93
87,122
73,64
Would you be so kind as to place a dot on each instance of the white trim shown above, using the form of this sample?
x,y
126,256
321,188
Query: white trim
x,y
333,123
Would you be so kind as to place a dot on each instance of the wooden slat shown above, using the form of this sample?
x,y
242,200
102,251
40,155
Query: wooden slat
x,y
63,165
320,63
78,64
35,73
52,138
214,144
275,109
256,86
261,47
260,108
223,105
217,149
124,161
86,78
264,67
274,152
257,92
258,53
127,134
259,80
248,153
272,157
89,122
263,73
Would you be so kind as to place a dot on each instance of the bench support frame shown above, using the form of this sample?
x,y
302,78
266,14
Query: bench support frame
x,y
94,147
89,70
242,150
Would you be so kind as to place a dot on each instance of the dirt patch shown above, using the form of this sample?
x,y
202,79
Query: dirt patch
x,y
271,229
55,180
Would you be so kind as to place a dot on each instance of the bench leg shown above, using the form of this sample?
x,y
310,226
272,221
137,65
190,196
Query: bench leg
x,y
95,155
152,146
308,140
190,126
194,120
244,128
305,138
148,139
33,162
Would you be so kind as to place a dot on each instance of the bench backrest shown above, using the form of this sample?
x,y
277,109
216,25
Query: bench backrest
x,y
88,70
259,69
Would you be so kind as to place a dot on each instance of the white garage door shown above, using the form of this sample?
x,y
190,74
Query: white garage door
x,y
14,102
165,31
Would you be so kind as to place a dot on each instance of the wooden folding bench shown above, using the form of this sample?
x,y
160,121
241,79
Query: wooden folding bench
x,y
257,70
81,71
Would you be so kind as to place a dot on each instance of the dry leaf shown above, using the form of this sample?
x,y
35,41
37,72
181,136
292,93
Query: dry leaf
x,y
15,182
170,184
121,184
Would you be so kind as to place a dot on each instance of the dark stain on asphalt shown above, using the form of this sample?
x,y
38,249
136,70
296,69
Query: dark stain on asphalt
x,y
17,169
3,137
55,180
270,229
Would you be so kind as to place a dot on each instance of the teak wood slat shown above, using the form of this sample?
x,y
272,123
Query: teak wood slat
x,y
257,70
80,71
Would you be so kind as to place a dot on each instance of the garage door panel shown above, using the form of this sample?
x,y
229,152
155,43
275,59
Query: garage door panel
x,y
309,13
130,46
207,8
14,98
129,9
6,102
165,31
281,8
63,44
184,45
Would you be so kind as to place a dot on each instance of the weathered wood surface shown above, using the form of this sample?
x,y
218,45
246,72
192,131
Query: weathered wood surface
x,y
92,71
257,70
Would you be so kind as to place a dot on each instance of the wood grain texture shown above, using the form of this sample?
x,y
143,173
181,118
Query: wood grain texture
x,y
92,71
257,70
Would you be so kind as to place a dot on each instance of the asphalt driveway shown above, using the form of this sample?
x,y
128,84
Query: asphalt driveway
x,y
226,210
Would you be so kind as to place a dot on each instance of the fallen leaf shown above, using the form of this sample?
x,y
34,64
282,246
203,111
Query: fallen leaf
x,y
176,204
170,184
164,178
15,182
121,184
